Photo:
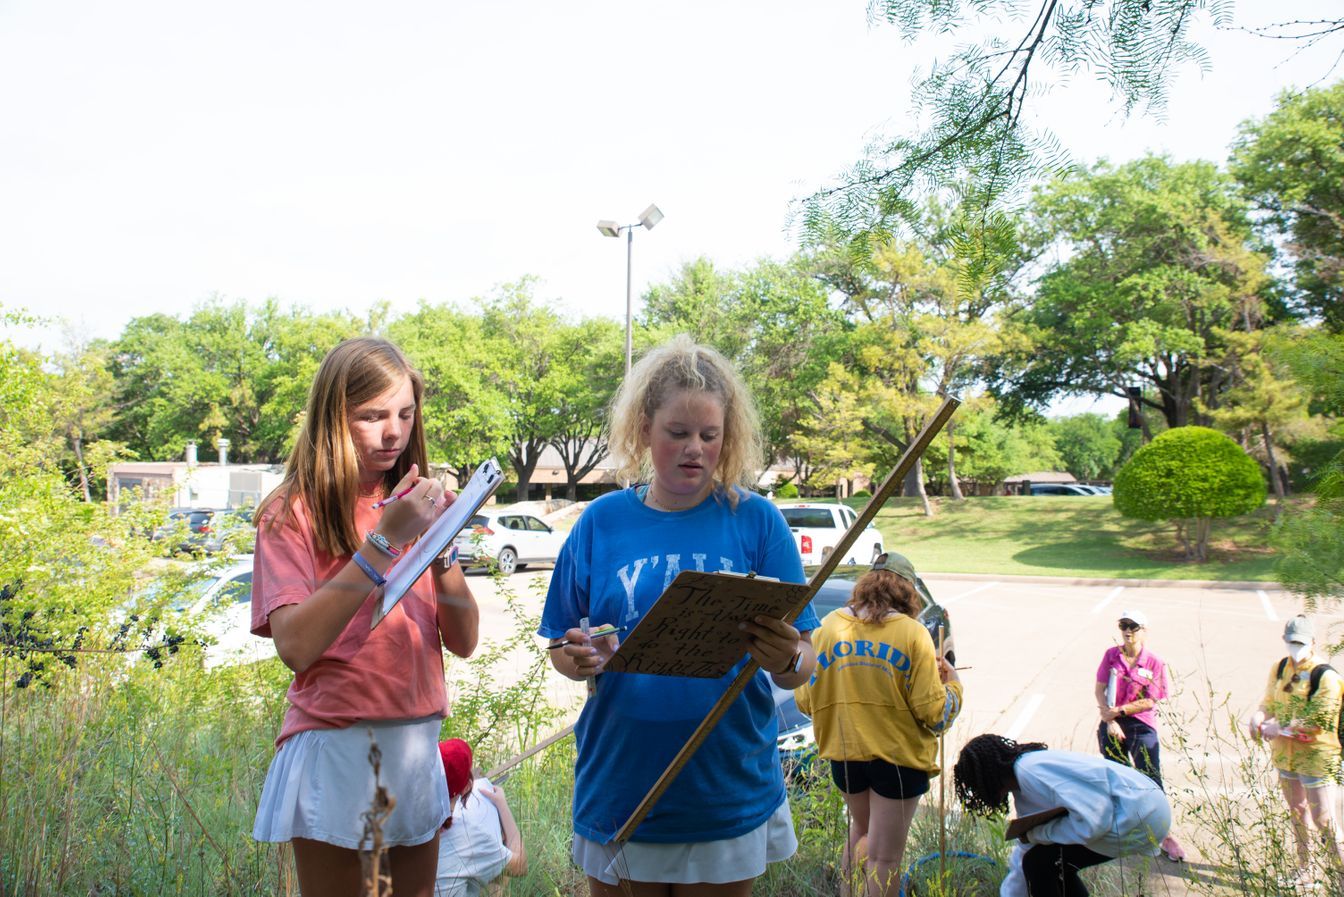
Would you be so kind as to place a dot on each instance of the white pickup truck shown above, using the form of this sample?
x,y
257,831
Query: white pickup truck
x,y
818,528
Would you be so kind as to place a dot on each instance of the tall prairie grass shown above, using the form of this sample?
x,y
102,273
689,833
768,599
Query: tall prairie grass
x,y
117,777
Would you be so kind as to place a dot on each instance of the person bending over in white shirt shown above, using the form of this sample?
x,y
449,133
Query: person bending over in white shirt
x,y
1073,811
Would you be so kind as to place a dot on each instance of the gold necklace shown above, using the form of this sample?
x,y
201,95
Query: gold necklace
x,y
652,500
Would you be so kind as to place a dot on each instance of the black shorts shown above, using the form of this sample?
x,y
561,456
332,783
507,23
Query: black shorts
x,y
885,779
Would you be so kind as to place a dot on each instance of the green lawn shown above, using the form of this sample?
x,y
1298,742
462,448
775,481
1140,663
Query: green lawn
x,y
1065,536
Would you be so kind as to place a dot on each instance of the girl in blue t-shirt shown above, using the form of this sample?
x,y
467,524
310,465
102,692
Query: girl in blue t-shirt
x,y
683,427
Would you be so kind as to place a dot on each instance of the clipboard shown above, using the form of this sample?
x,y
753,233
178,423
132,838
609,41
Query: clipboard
x,y
416,560
691,630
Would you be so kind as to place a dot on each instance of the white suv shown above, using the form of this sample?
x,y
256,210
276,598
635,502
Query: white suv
x,y
513,540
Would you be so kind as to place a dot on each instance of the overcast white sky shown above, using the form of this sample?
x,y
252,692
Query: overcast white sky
x,y
331,154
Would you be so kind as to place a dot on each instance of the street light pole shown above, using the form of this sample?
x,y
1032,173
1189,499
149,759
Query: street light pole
x,y
608,228
629,301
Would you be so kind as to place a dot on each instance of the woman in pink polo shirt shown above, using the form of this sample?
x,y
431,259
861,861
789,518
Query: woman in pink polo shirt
x,y
323,548
1130,681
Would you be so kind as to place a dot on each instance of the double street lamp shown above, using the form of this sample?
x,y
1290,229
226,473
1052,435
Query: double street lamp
x,y
648,219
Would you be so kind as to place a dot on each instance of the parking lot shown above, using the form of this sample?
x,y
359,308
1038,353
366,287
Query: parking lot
x,y
1032,649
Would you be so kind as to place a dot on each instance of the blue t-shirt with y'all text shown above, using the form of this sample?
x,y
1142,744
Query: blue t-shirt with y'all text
x,y
615,564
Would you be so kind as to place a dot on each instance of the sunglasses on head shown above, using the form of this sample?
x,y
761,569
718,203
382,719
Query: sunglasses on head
x,y
1129,626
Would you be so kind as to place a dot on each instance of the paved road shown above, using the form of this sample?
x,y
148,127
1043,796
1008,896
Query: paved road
x,y
1033,650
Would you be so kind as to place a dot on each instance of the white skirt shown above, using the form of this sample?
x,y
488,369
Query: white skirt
x,y
321,782
708,862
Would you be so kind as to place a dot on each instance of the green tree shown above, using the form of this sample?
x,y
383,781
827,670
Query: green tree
x,y
978,134
1311,549
1310,540
925,311
991,448
1156,268
82,411
1292,165
1190,475
529,368
774,320
832,438
1263,399
466,410
698,300
595,349
980,129
1088,445
226,370
65,564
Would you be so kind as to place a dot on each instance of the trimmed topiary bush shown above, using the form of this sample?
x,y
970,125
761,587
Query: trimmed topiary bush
x,y
786,490
1189,475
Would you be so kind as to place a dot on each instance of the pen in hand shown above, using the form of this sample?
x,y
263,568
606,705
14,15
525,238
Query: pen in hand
x,y
391,498
596,633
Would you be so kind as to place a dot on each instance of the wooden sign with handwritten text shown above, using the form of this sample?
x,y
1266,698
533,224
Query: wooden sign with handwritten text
x,y
692,629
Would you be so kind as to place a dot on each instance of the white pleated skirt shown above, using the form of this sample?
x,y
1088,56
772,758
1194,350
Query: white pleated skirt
x,y
708,862
321,783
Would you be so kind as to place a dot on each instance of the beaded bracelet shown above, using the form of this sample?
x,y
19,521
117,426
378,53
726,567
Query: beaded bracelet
x,y
379,541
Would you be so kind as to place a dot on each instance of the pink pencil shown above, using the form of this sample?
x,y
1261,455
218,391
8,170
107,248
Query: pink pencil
x,y
391,498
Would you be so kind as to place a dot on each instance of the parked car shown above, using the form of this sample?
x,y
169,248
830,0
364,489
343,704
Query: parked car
x,y
185,530
1061,489
818,526
511,540
222,604
218,604
796,743
206,531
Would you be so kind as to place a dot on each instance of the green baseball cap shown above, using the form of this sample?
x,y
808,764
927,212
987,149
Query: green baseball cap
x,y
896,563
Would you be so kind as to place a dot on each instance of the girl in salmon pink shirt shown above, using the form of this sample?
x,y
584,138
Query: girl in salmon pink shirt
x,y
322,552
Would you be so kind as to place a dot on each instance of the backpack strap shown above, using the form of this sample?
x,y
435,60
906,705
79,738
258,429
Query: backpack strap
x,y
1317,672
1283,664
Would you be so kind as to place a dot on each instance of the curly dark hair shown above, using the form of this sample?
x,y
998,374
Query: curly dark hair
x,y
984,768
879,592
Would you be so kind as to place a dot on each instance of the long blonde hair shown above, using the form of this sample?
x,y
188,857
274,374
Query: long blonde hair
x,y
682,364
323,468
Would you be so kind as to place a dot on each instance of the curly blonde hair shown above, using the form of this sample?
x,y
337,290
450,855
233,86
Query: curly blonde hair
x,y
683,364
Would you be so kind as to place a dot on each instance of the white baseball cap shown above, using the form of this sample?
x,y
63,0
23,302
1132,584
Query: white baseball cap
x,y
1137,616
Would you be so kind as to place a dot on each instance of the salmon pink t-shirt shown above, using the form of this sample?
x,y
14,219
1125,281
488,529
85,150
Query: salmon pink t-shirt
x,y
392,672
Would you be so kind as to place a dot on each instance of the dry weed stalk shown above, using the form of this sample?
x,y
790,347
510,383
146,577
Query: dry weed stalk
x,y
377,883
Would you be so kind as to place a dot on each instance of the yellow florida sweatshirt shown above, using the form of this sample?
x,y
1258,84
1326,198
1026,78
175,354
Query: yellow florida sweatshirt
x,y
875,693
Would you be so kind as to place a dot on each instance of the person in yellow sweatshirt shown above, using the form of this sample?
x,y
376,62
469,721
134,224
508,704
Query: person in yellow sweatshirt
x,y
878,699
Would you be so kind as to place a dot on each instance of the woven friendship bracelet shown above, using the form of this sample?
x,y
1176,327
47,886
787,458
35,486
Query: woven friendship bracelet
x,y
379,541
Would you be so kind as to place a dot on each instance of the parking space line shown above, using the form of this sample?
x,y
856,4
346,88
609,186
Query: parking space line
x,y
1033,704
1097,608
988,585
1269,608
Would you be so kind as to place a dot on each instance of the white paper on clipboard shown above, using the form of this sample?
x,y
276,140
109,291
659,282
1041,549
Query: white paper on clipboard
x,y
418,557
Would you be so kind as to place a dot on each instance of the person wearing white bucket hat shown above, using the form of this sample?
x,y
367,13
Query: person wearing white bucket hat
x,y
1131,680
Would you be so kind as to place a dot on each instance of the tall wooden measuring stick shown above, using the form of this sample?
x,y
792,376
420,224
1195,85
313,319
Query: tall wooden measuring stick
x,y
889,486
942,786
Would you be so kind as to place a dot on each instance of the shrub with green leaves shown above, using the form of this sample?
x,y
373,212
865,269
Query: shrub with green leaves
x,y
1190,475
